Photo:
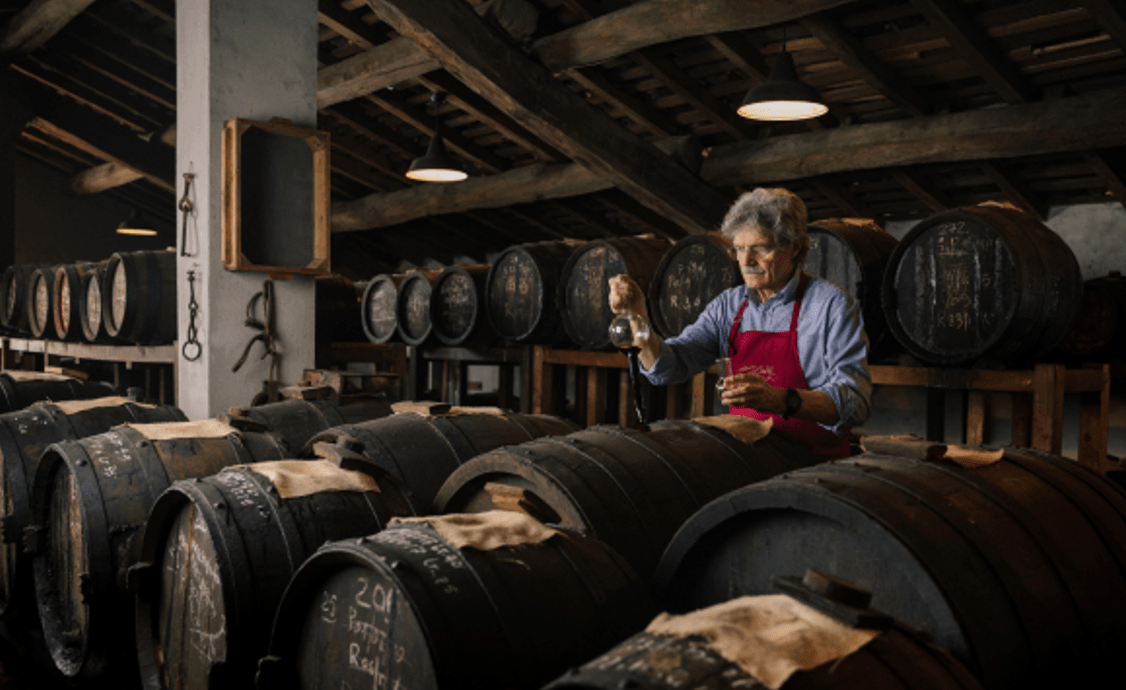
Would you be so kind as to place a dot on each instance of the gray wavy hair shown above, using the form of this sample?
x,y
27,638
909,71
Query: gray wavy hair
x,y
779,213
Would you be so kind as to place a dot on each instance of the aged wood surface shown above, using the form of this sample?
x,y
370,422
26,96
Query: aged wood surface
x,y
38,22
468,48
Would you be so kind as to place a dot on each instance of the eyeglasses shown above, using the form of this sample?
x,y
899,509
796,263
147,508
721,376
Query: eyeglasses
x,y
757,251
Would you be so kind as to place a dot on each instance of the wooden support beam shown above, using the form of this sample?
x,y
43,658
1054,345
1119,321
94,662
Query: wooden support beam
x,y
972,45
1077,123
853,53
1015,189
100,178
471,50
36,23
1111,16
646,116
922,189
353,116
343,22
641,24
695,94
844,199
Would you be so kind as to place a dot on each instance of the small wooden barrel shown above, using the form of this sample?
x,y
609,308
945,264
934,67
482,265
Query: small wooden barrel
x,y
853,254
1099,331
90,502
720,647
378,307
408,608
412,311
1017,568
69,297
90,307
41,302
692,273
338,310
23,437
18,389
423,451
584,289
296,421
15,283
981,284
139,297
521,292
457,306
631,489
218,553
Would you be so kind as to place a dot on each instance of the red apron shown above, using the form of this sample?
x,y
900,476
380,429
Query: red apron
x,y
774,357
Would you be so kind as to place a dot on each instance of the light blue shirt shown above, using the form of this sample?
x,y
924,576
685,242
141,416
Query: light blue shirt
x,y
832,344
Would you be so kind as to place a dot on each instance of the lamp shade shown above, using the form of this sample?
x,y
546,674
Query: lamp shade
x,y
783,96
436,165
136,224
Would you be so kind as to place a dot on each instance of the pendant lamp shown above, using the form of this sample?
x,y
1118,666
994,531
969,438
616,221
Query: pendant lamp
x,y
135,224
436,165
783,96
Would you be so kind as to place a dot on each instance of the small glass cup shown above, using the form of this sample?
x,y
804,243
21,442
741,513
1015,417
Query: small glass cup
x,y
723,370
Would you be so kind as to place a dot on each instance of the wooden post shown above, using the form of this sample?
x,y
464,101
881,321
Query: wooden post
x,y
541,393
977,414
596,396
1094,423
504,386
701,396
1047,408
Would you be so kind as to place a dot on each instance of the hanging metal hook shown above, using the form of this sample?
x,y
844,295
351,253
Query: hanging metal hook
x,y
185,207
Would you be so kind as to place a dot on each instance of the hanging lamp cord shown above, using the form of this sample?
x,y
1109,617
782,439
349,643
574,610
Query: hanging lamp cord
x,y
267,336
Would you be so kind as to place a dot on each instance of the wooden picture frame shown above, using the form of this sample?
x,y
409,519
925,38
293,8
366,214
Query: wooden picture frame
x,y
265,167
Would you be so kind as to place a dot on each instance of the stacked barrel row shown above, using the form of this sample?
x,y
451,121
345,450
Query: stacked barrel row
x,y
483,549
984,284
128,298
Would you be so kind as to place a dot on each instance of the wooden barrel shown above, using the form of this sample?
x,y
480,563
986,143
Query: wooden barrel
x,y
521,292
338,310
90,307
412,310
1017,567
632,489
378,307
69,297
457,306
15,283
1099,331
296,421
721,647
584,289
982,283
219,552
853,254
41,302
408,608
139,297
24,435
692,273
90,502
18,389
423,451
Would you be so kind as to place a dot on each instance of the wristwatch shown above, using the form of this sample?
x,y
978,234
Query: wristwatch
x,y
793,402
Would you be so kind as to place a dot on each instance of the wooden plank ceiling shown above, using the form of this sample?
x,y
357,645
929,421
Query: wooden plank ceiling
x,y
597,118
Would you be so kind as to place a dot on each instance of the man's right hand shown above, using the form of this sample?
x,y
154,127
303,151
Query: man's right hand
x,y
626,296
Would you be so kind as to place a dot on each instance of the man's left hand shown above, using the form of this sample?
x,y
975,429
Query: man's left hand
x,y
751,390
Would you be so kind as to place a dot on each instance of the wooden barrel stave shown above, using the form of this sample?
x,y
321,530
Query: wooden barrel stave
x,y
235,541
90,501
457,306
296,421
424,451
21,389
90,308
521,292
139,297
629,488
16,283
462,617
1099,331
584,286
1016,568
692,273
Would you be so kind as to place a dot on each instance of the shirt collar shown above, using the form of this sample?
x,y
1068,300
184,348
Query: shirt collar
x,y
786,294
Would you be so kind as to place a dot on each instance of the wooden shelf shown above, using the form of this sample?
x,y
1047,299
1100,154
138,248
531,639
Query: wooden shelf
x,y
129,354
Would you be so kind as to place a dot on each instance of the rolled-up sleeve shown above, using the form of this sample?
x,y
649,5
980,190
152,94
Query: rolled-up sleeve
x,y
835,358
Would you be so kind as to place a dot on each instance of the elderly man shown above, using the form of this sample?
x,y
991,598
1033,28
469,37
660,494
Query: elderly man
x,y
796,342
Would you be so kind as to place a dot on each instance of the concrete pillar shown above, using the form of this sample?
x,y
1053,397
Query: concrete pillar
x,y
252,59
